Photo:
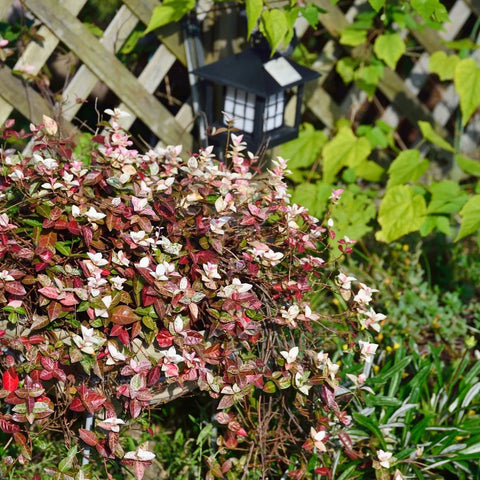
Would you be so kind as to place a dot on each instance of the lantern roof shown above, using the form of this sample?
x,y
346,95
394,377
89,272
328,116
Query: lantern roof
x,y
255,72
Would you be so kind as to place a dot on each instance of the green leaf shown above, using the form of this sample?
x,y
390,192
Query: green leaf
x,y
254,10
443,65
311,12
369,170
366,422
438,222
470,218
347,474
389,47
401,212
376,4
346,69
63,248
367,78
467,84
351,216
375,135
31,222
344,150
274,25
131,42
313,196
407,167
94,29
447,197
383,401
205,433
67,463
168,12
305,149
461,44
353,36
426,8
433,137
469,166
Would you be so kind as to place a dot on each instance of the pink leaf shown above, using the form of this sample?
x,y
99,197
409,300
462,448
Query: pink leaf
x,y
49,292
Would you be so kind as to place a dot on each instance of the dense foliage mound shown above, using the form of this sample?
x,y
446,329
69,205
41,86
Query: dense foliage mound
x,y
129,279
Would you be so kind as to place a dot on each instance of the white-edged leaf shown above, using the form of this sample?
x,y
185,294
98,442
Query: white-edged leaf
x,y
470,395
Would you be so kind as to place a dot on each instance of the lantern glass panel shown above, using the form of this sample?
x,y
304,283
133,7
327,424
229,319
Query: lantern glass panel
x,y
273,114
240,107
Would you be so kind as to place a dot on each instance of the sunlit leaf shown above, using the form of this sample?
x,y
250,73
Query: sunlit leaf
x,y
274,25
470,214
407,167
254,10
467,84
345,149
169,11
389,48
430,135
447,197
402,211
443,65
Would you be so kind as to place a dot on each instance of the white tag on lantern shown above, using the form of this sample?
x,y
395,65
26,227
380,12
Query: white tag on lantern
x,y
281,71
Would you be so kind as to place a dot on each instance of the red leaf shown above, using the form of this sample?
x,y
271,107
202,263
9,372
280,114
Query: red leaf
x,y
26,253
225,402
136,329
230,439
135,408
69,300
54,310
40,266
46,242
15,288
165,338
48,363
49,292
21,439
10,379
154,376
139,468
113,439
121,333
73,227
88,437
91,400
124,315
87,235
159,306
30,403
13,399
77,405
32,340
61,224
99,139
193,338
204,256
45,255
147,297
8,427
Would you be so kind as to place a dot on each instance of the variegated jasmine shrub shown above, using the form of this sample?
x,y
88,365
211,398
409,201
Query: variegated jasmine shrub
x,y
128,279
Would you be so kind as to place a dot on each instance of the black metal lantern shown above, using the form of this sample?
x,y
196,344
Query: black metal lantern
x,y
255,90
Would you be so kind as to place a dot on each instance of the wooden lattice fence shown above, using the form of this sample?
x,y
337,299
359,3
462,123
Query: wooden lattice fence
x,y
403,100
407,98
99,62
